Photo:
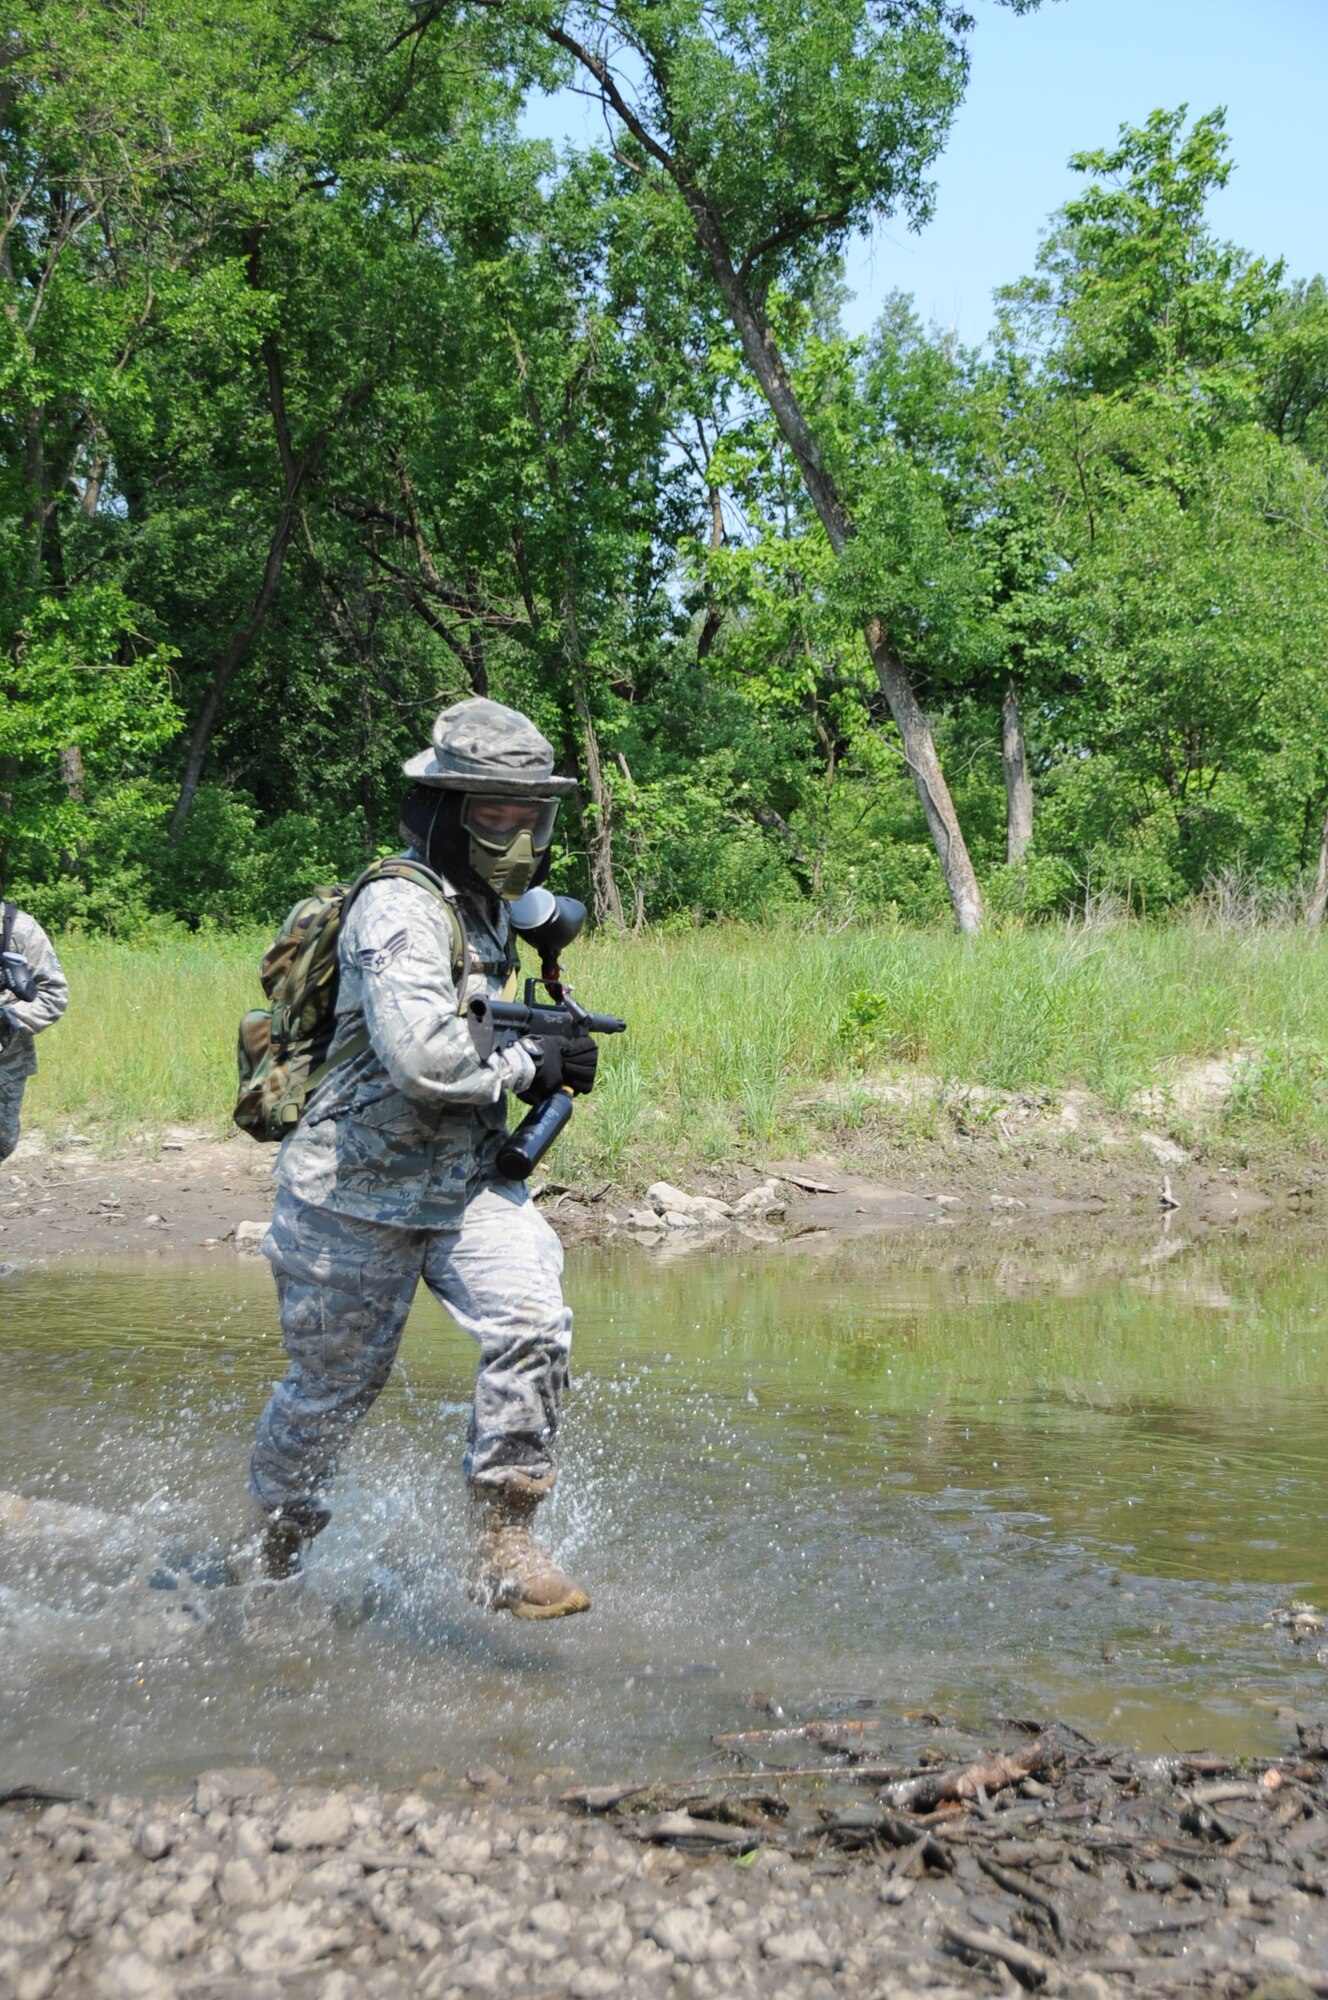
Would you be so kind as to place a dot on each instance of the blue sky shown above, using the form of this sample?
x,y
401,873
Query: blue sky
x,y
1063,80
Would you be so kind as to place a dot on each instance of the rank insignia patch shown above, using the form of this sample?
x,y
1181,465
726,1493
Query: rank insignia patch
x,y
377,958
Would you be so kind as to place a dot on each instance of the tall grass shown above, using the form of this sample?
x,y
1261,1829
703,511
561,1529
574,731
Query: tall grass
x,y
149,1038
734,1030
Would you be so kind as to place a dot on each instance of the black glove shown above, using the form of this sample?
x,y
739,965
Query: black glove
x,y
16,974
580,1061
560,1064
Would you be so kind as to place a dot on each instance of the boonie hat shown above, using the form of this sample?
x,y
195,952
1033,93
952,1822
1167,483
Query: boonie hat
x,y
480,746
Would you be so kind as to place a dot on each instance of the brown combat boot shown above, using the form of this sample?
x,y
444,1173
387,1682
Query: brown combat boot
x,y
509,1569
287,1531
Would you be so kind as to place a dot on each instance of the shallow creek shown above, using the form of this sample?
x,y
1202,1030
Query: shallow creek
x,y
1051,1475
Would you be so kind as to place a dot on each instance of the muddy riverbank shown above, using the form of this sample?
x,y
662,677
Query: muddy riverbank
x,y
1045,1866
191,1195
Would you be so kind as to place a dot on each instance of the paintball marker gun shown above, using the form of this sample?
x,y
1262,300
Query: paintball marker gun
x,y
549,923
16,975
15,972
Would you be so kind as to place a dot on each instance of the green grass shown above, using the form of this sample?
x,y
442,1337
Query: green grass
x,y
734,1030
149,1038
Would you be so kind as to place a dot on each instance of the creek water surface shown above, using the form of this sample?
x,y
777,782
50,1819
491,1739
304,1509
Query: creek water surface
x,y
1065,1477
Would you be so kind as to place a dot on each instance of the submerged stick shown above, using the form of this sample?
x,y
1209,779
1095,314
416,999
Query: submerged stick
x,y
1019,1885
801,1732
1028,1966
1256,1972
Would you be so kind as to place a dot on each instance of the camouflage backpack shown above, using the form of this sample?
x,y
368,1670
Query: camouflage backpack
x,y
282,1053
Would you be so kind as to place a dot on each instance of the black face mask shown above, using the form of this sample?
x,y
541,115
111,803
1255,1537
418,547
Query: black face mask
x,y
431,822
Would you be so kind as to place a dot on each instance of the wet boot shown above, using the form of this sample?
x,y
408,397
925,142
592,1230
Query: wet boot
x,y
287,1531
509,1569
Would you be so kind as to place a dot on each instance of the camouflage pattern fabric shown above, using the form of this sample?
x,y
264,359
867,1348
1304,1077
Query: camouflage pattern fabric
x,y
345,1287
29,1017
391,1178
11,1099
409,1130
25,1019
477,745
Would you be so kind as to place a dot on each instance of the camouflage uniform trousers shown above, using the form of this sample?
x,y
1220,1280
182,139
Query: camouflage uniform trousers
x,y
344,1289
12,1081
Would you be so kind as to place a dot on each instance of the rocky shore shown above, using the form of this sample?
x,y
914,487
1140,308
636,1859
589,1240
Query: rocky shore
x,y
1101,1876
188,1195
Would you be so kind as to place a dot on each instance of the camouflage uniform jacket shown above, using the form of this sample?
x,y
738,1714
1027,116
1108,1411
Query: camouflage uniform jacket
x,y
26,1018
406,1132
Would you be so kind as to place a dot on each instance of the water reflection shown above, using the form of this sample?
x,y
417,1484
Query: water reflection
x,y
1021,1477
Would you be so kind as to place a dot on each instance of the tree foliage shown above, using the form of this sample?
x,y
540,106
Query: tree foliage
x,y
328,396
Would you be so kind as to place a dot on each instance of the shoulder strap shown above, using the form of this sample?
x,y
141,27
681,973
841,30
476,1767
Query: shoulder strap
x,y
396,868
7,931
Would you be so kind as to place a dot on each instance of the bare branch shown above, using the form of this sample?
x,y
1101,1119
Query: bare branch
x,y
789,232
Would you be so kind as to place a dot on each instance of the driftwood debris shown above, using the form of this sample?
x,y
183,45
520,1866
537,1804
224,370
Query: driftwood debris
x,y
856,1827
1217,1795
805,1732
1137,1847
36,1795
851,1891
1029,1967
374,1862
1313,1739
990,1774
672,1794
603,1798
919,1792
1020,1885
680,1829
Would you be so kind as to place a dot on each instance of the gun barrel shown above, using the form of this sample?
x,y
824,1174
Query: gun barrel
x,y
603,1024
549,1020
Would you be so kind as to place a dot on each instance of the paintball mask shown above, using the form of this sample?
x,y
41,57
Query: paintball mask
x,y
508,839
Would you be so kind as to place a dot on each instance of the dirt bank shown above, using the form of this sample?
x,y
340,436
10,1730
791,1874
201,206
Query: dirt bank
x,y
191,1195
1046,1865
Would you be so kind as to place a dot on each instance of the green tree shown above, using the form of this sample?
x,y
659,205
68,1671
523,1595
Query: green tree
x,y
780,130
1180,609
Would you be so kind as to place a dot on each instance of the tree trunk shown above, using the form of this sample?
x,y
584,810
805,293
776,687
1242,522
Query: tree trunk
x,y
34,519
71,773
774,822
922,760
90,498
470,650
224,671
605,901
1018,785
9,777
714,617
1318,907
767,364
294,473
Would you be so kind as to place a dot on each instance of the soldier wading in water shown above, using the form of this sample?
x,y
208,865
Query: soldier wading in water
x,y
391,1176
33,995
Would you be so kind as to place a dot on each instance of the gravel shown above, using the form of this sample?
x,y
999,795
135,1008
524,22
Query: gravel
x,y
249,1888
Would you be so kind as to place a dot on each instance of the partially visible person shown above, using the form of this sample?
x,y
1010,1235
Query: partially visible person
x,y
33,994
